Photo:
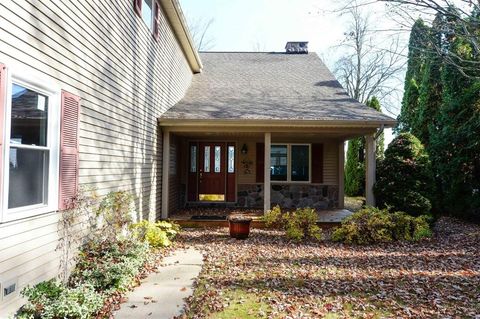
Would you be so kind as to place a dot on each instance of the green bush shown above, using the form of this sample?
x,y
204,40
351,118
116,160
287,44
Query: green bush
x,y
52,299
298,225
404,179
159,234
116,210
106,264
110,266
374,225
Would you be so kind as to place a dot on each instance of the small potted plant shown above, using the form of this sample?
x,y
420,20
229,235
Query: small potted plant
x,y
239,226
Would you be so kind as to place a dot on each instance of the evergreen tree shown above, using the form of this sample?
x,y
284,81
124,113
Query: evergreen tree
x,y
430,93
354,168
355,164
404,180
417,49
455,142
441,105
380,142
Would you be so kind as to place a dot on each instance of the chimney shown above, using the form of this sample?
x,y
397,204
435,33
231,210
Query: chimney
x,y
297,47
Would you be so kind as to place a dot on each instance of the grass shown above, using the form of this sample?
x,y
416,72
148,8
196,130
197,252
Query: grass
x,y
242,304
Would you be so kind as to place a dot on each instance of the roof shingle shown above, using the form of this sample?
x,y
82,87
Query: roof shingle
x,y
268,86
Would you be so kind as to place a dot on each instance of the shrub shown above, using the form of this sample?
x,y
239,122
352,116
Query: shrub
x,y
157,234
110,266
298,225
52,299
374,225
404,179
116,210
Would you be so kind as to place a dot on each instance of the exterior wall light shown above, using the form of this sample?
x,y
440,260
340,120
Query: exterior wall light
x,y
244,149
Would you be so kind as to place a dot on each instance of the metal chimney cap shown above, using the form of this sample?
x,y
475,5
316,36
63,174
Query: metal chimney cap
x,y
296,47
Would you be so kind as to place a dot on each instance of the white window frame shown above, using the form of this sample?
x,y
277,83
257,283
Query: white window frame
x,y
289,164
37,82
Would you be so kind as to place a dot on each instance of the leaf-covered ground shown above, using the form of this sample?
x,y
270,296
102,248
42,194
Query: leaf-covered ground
x,y
266,276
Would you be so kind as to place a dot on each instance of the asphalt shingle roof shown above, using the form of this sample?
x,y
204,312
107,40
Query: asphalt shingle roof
x,y
268,86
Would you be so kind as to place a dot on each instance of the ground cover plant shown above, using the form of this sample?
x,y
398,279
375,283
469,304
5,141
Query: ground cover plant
x,y
269,276
111,261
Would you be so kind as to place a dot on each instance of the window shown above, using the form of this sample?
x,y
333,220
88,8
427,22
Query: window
x,y
218,152
31,150
206,159
149,11
290,162
231,159
300,163
193,158
279,160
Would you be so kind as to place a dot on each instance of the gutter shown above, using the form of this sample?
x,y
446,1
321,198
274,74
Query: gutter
x,y
277,123
178,23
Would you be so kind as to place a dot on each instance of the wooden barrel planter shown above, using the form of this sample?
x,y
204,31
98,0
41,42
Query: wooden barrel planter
x,y
239,226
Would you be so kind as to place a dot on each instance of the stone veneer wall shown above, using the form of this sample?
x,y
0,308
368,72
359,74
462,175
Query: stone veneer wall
x,y
316,196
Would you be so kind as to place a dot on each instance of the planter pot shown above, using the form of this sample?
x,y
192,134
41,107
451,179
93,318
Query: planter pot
x,y
239,227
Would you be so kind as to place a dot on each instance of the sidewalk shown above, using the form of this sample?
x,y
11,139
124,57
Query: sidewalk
x,y
161,295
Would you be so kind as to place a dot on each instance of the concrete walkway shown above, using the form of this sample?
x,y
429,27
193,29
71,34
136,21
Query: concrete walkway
x,y
161,294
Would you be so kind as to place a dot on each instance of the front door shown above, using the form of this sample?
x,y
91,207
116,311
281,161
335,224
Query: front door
x,y
211,173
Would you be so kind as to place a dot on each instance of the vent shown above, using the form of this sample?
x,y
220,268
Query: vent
x,y
9,289
298,47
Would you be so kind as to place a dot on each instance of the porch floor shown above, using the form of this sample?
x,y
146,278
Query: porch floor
x,y
217,216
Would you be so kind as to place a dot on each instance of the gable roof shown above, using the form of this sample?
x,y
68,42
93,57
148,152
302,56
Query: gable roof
x,y
244,86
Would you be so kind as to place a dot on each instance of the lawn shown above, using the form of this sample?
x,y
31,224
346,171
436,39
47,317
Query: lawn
x,y
267,276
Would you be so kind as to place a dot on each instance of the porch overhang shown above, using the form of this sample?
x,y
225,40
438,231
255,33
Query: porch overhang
x,y
262,123
341,129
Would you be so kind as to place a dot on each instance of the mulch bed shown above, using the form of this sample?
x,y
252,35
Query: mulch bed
x,y
437,278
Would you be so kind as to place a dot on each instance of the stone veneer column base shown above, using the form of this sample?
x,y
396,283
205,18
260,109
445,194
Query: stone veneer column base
x,y
320,197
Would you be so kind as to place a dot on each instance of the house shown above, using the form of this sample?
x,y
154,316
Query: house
x,y
82,84
255,119
112,95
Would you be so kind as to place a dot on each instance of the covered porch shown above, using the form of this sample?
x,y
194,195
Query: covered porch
x,y
221,168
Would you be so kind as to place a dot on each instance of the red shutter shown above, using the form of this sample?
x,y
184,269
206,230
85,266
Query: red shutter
x,y
137,5
260,164
69,150
317,163
3,102
156,21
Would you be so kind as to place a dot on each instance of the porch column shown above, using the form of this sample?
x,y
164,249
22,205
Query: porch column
x,y
165,172
266,179
341,174
370,167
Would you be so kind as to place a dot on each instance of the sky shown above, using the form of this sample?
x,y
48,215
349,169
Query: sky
x,y
266,25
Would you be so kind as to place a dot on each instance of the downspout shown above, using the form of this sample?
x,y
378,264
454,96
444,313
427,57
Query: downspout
x,y
379,132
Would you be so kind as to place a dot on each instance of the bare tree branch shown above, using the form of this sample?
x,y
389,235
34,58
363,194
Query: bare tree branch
x,y
366,70
199,29
458,12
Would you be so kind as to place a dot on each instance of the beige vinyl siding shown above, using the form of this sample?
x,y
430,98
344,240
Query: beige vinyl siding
x,y
245,176
330,163
101,51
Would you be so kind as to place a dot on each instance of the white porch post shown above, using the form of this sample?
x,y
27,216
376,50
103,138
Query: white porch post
x,y
370,167
165,172
341,173
266,179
